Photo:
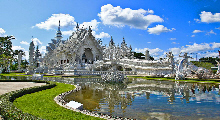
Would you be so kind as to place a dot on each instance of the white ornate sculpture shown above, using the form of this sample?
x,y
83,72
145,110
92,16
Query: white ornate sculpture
x,y
147,55
182,67
19,61
31,59
171,60
218,64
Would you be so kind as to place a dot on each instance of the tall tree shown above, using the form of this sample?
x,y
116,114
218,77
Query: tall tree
x,y
6,52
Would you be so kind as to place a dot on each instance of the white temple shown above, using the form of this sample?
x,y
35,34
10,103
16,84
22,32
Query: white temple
x,y
83,54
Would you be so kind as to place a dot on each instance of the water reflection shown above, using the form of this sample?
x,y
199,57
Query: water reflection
x,y
148,99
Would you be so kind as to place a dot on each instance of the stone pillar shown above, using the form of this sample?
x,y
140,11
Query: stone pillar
x,y
19,61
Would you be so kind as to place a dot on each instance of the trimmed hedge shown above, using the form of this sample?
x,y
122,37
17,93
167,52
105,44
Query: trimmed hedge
x,y
9,111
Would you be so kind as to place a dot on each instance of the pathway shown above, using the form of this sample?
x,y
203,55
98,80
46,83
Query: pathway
x,y
6,87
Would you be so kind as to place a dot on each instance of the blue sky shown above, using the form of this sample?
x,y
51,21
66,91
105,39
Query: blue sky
x,y
191,26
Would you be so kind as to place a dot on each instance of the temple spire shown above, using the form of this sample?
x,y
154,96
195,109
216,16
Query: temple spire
x,y
59,34
77,26
90,30
111,43
123,43
123,40
59,26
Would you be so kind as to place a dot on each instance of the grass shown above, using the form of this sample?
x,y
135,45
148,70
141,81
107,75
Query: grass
x,y
14,74
21,74
41,104
192,80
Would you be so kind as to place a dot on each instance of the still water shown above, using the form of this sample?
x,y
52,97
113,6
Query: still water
x,y
145,99
150,99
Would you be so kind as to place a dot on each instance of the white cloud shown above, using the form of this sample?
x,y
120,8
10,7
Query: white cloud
x,y
197,20
175,43
148,42
100,35
153,52
172,38
211,32
196,47
159,29
2,31
93,23
192,35
68,33
17,48
203,50
197,31
24,42
210,54
189,22
175,51
150,11
42,50
119,17
53,21
36,41
218,28
208,17
215,45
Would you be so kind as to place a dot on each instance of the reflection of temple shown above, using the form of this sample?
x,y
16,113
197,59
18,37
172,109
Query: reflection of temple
x,y
92,94
119,99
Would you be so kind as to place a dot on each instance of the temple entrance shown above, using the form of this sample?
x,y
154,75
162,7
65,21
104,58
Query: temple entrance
x,y
87,56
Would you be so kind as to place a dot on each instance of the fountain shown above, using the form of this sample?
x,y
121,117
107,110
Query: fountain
x,y
113,76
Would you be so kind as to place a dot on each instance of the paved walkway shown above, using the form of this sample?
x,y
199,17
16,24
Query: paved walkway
x,y
12,86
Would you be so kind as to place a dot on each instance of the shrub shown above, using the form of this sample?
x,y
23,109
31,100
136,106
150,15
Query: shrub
x,y
9,111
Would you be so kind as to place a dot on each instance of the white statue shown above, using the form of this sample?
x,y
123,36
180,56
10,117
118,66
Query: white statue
x,y
19,60
147,55
185,57
170,57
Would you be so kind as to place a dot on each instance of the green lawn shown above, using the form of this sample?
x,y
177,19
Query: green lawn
x,y
21,74
173,79
41,104
14,74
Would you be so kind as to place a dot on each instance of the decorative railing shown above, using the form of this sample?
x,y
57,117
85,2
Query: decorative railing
x,y
75,72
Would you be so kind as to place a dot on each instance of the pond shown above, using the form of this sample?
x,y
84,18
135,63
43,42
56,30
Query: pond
x,y
150,99
145,99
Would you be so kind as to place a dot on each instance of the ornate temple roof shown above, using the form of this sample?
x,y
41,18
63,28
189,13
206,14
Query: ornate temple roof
x,y
58,34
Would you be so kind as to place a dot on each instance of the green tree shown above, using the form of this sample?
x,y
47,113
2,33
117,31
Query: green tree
x,y
138,55
14,65
206,65
209,60
141,56
6,52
